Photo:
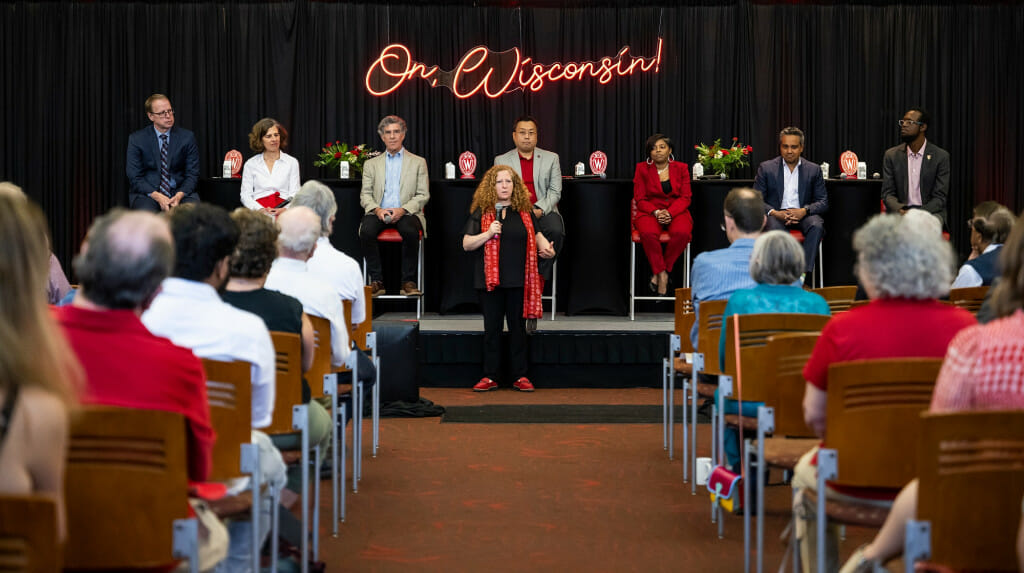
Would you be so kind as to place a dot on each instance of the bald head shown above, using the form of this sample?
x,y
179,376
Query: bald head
x,y
300,228
124,258
9,189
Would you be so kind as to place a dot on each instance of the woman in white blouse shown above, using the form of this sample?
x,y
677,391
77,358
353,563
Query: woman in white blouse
x,y
271,177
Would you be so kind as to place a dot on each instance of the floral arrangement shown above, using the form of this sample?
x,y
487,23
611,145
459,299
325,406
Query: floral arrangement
x,y
333,154
718,159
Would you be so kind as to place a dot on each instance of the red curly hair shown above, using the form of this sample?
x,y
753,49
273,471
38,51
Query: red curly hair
x,y
486,195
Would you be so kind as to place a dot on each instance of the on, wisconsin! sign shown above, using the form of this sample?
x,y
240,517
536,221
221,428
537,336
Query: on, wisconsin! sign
x,y
487,73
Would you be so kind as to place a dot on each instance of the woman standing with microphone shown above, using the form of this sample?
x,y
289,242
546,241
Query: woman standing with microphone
x,y
501,230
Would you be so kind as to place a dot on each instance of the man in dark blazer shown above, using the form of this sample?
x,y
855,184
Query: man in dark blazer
x,y
794,194
915,173
158,180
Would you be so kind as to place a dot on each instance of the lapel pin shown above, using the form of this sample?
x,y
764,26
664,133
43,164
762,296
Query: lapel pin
x,y
929,156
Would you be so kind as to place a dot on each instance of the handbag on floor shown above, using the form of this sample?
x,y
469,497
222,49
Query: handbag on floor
x,y
724,484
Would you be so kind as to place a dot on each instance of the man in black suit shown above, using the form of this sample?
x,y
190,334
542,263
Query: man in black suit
x,y
915,173
163,161
794,194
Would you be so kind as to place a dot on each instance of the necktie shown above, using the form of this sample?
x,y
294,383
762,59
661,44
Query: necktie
x,y
165,176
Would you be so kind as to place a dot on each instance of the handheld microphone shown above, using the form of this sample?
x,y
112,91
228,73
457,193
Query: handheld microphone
x,y
387,217
498,209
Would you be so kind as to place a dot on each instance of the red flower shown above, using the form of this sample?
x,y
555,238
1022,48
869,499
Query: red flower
x,y
328,144
735,138
337,143
749,148
745,152
355,151
337,155
696,147
725,152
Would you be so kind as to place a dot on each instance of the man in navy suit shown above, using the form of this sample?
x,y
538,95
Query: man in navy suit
x,y
794,194
163,161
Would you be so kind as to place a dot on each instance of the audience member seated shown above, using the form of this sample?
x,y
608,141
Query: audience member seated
x,y
270,177
57,286
904,267
300,228
990,226
716,274
981,372
189,312
776,262
250,263
38,373
327,263
661,189
126,256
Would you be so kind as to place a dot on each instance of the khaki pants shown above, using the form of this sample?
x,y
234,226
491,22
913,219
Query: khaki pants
x,y
805,478
213,538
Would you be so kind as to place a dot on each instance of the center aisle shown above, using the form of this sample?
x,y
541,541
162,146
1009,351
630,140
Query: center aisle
x,y
537,497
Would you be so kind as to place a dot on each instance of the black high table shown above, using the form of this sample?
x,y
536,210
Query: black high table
x,y
593,268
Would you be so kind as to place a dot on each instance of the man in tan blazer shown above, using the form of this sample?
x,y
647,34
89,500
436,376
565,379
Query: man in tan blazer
x,y
543,178
395,189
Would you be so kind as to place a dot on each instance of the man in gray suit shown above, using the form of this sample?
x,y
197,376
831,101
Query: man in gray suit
x,y
394,192
915,174
543,178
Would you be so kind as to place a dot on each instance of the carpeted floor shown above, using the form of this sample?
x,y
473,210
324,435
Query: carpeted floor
x,y
557,414
537,497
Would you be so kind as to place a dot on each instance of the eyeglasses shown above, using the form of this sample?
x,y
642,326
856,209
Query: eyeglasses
x,y
906,122
165,113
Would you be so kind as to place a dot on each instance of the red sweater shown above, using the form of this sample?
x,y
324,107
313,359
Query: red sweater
x,y
127,366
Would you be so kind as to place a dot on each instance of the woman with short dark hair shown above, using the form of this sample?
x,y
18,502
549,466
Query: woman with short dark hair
x,y
270,177
661,191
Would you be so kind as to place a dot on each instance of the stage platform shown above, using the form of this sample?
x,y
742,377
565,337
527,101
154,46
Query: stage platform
x,y
568,352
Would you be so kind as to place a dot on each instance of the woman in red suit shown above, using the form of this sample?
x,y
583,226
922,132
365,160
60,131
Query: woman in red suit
x,y
661,189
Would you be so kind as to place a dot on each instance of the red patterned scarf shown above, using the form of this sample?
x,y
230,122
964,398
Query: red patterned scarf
x,y
533,285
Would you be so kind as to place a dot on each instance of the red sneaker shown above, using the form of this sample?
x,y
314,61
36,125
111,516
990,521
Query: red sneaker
x,y
523,385
486,384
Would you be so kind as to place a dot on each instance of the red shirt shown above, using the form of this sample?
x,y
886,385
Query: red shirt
x,y
526,168
886,328
127,366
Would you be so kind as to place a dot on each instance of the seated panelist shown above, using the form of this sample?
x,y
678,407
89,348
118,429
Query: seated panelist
x,y
271,177
661,188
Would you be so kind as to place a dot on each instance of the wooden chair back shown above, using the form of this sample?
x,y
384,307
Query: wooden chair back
x,y
125,484
971,479
969,298
28,534
684,317
709,325
788,355
839,298
359,333
321,355
758,378
229,392
288,386
873,416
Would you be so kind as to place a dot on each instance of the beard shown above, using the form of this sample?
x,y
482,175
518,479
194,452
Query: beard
x,y
908,138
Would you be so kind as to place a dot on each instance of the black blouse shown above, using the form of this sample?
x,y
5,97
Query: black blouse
x,y
511,254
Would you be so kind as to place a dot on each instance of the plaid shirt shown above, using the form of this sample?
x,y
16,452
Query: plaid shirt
x,y
984,368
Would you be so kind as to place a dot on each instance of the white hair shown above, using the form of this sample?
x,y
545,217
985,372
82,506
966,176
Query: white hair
x,y
300,228
904,258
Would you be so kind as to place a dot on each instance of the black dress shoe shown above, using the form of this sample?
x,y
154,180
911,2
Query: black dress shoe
x,y
653,285
531,325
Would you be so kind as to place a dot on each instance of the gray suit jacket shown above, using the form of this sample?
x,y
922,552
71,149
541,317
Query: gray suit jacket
x,y
413,188
934,179
547,176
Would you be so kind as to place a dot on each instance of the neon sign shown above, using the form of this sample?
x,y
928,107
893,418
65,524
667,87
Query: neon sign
x,y
495,73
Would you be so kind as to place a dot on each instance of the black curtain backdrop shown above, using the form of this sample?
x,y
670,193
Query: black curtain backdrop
x,y
76,76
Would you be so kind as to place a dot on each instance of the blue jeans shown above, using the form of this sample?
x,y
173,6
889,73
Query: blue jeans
x,y
732,435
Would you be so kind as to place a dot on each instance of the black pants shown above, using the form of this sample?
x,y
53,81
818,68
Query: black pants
x,y
499,306
409,227
146,203
813,228
553,229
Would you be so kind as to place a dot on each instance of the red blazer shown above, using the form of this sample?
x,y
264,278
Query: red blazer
x,y
649,196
